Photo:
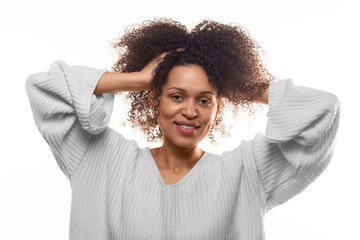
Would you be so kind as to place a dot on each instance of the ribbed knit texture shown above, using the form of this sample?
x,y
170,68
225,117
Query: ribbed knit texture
x,y
117,189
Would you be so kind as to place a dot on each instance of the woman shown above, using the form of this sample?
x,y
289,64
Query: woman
x,y
179,82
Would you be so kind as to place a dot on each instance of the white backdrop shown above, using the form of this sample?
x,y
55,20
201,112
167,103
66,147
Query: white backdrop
x,y
314,42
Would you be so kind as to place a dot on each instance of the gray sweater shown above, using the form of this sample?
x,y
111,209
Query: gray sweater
x,y
118,192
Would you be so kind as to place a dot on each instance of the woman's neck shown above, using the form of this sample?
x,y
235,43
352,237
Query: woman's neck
x,y
175,159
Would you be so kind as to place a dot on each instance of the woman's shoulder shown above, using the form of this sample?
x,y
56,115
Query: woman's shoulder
x,y
235,158
112,140
108,149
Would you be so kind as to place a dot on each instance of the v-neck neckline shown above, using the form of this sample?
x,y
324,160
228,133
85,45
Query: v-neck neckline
x,y
183,180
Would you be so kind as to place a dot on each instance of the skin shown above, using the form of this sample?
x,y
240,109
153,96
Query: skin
x,y
187,96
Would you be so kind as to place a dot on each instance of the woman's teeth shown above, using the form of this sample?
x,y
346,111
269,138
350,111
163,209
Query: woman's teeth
x,y
187,127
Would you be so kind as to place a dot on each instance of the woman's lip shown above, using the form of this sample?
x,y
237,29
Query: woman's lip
x,y
192,124
184,130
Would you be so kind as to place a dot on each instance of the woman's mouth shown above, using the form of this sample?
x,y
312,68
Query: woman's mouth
x,y
186,129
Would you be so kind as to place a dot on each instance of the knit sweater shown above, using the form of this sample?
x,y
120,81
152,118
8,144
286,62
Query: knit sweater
x,y
118,192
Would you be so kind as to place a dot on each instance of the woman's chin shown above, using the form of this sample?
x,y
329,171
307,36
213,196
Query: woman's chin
x,y
185,143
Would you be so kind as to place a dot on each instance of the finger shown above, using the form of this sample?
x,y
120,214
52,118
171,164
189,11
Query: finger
x,y
164,54
161,57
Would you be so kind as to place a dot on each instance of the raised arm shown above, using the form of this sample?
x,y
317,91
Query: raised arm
x,y
67,112
111,82
299,141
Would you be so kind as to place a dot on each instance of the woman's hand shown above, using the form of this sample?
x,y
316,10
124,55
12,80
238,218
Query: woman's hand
x,y
147,72
111,82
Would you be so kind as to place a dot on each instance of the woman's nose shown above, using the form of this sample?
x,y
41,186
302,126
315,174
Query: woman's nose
x,y
189,110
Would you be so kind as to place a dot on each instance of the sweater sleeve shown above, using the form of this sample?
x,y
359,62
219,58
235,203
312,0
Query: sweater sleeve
x,y
299,140
66,112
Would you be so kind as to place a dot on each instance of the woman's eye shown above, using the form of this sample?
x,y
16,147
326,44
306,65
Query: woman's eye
x,y
177,97
204,101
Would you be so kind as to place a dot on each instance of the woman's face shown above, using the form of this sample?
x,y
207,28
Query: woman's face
x,y
188,106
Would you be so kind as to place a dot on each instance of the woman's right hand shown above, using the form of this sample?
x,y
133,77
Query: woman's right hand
x,y
147,73
111,82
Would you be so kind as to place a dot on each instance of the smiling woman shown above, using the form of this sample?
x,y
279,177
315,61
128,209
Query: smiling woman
x,y
229,56
178,81
187,111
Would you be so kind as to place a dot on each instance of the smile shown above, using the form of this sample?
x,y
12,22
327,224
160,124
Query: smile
x,y
186,129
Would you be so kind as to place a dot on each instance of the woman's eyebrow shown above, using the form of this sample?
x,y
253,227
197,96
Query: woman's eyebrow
x,y
183,90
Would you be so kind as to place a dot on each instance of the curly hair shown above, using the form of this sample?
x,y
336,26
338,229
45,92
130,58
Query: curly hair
x,y
231,58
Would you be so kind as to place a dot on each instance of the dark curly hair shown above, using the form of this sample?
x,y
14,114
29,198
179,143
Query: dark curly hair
x,y
227,53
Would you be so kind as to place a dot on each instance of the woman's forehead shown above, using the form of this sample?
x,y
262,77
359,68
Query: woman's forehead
x,y
192,78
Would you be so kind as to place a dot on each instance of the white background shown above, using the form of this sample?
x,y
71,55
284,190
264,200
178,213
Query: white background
x,y
314,42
